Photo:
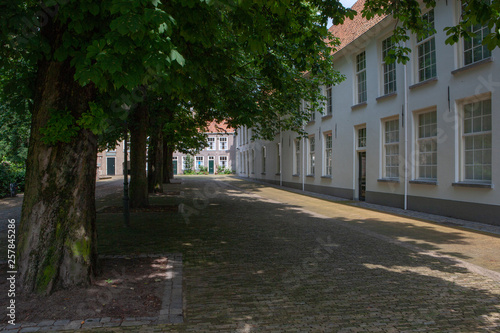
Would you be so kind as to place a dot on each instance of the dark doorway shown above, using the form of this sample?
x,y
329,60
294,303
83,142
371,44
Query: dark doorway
x,y
110,166
362,175
211,164
174,165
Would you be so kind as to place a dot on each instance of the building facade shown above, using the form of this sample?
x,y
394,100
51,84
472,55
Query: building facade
x,y
219,154
423,136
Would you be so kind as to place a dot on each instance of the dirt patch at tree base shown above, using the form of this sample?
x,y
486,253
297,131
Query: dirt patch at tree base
x,y
124,288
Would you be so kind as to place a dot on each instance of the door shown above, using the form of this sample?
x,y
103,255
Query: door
x,y
110,166
211,164
362,175
174,165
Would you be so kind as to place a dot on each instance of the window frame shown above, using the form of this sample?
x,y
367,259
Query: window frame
x,y
311,156
196,160
464,135
431,39
296,157
263,164
361,95
212,146
225,159
392,155
328,154
329,99
388,69
429,136
223,143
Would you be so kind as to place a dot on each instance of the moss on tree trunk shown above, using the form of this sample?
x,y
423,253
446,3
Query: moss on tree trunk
x,y
57,237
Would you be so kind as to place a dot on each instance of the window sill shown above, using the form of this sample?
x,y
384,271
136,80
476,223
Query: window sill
x,y
296,175
310,176
473,65
423,182
388,180
381,98
423,83
328,116
326,177
310,122
474,185
358,106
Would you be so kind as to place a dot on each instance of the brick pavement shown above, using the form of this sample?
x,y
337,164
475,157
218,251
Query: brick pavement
x,y
280,262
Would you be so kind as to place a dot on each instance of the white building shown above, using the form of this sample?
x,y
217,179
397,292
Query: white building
x,y
424,136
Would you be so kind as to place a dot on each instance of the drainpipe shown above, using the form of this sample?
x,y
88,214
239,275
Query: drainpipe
x,y
405,124
304,166
280,151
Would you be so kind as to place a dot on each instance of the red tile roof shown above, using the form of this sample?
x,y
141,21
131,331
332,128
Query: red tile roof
x,y
222,127
350,30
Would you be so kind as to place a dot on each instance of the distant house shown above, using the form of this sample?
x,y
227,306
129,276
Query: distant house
x,y
220,152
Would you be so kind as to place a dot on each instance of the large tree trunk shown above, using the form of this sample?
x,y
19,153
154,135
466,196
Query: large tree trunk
x,y
155,162
57,237
138,177
168,170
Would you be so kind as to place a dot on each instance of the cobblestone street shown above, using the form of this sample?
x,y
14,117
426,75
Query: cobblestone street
x,y
269,260
276,267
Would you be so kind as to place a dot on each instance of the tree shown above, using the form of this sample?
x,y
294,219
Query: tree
x,y
79,49
243,61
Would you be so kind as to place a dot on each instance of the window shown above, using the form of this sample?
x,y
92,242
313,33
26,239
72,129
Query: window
x,y
328,154
329,100
186,162
278,158
474,50
389,70
427,51
391,149
263,159
477,145
310,164
211,144
223,143
296,169
313,114
427,146
223,161
362,138
252,162
361,77
198,162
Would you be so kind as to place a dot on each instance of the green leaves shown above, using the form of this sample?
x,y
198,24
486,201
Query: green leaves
x,y
95,119
60,128
176,56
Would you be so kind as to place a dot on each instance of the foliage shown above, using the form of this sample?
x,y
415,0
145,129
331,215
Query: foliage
x,y
16,85
11,173
408,14
188,164
224,171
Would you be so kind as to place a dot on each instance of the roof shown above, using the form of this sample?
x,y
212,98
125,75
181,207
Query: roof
x,y
222,127
350,30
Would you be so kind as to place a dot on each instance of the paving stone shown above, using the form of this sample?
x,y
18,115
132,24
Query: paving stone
x,y
29,329
46,323
62,322
72,325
